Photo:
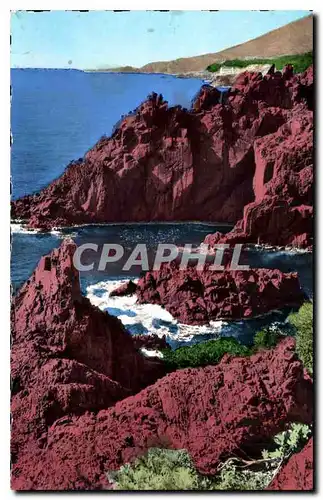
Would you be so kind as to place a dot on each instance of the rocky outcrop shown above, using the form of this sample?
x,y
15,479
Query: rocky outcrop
x,y
128,288
52,316
152,341
282,211
72,364
297,474
67,356
197,297
157,164
216,412
213,163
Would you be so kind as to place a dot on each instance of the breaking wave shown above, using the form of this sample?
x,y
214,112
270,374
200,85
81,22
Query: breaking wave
x,y
147,318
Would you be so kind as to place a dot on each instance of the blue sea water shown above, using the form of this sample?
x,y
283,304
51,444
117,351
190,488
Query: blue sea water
x,y
56,116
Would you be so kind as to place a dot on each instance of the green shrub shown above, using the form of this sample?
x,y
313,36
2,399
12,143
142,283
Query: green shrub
x,y
160,469
203,354
211,352
300,62
302,321
214,67
288,442
173,470
234,478
265,339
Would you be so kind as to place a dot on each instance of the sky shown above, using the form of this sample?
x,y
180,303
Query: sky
x,y
103,39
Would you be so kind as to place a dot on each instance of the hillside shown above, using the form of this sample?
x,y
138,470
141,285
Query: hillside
x,y
293,38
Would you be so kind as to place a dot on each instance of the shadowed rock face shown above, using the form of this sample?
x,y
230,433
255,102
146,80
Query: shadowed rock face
x,y
297,473
197,297
215,412
206,164
128,288
160,164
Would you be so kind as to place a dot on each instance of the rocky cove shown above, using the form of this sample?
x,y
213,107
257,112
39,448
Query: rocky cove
x,y
83,392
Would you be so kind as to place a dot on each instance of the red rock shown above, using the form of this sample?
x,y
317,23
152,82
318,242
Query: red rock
x,y
169,164
282,212
128,288
297,473
206,98
288,72
198,297
214,412
150,341
67,356
50,314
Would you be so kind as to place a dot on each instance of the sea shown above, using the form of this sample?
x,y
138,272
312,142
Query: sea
x,y
56,117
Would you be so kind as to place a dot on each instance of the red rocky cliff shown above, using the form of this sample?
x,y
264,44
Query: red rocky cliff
x,y
214,163
216,412
67,356
282,210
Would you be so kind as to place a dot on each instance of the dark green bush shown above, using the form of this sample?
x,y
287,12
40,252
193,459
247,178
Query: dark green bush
x,y
265,339
214,67
203,354
211,352
302,321
300,62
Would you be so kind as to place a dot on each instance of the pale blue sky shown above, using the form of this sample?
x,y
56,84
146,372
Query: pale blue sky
x,y
61,39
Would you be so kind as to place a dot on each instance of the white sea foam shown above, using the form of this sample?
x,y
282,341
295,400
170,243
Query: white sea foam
x,y
278,250
151,318
150,353
18,227
55,231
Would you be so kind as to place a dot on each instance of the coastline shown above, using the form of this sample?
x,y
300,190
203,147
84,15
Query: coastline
x,y
206,77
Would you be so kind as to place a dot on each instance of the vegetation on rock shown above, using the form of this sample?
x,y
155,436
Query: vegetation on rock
x,y
203,354
159,469
211,352
302,321
265,338
300,62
